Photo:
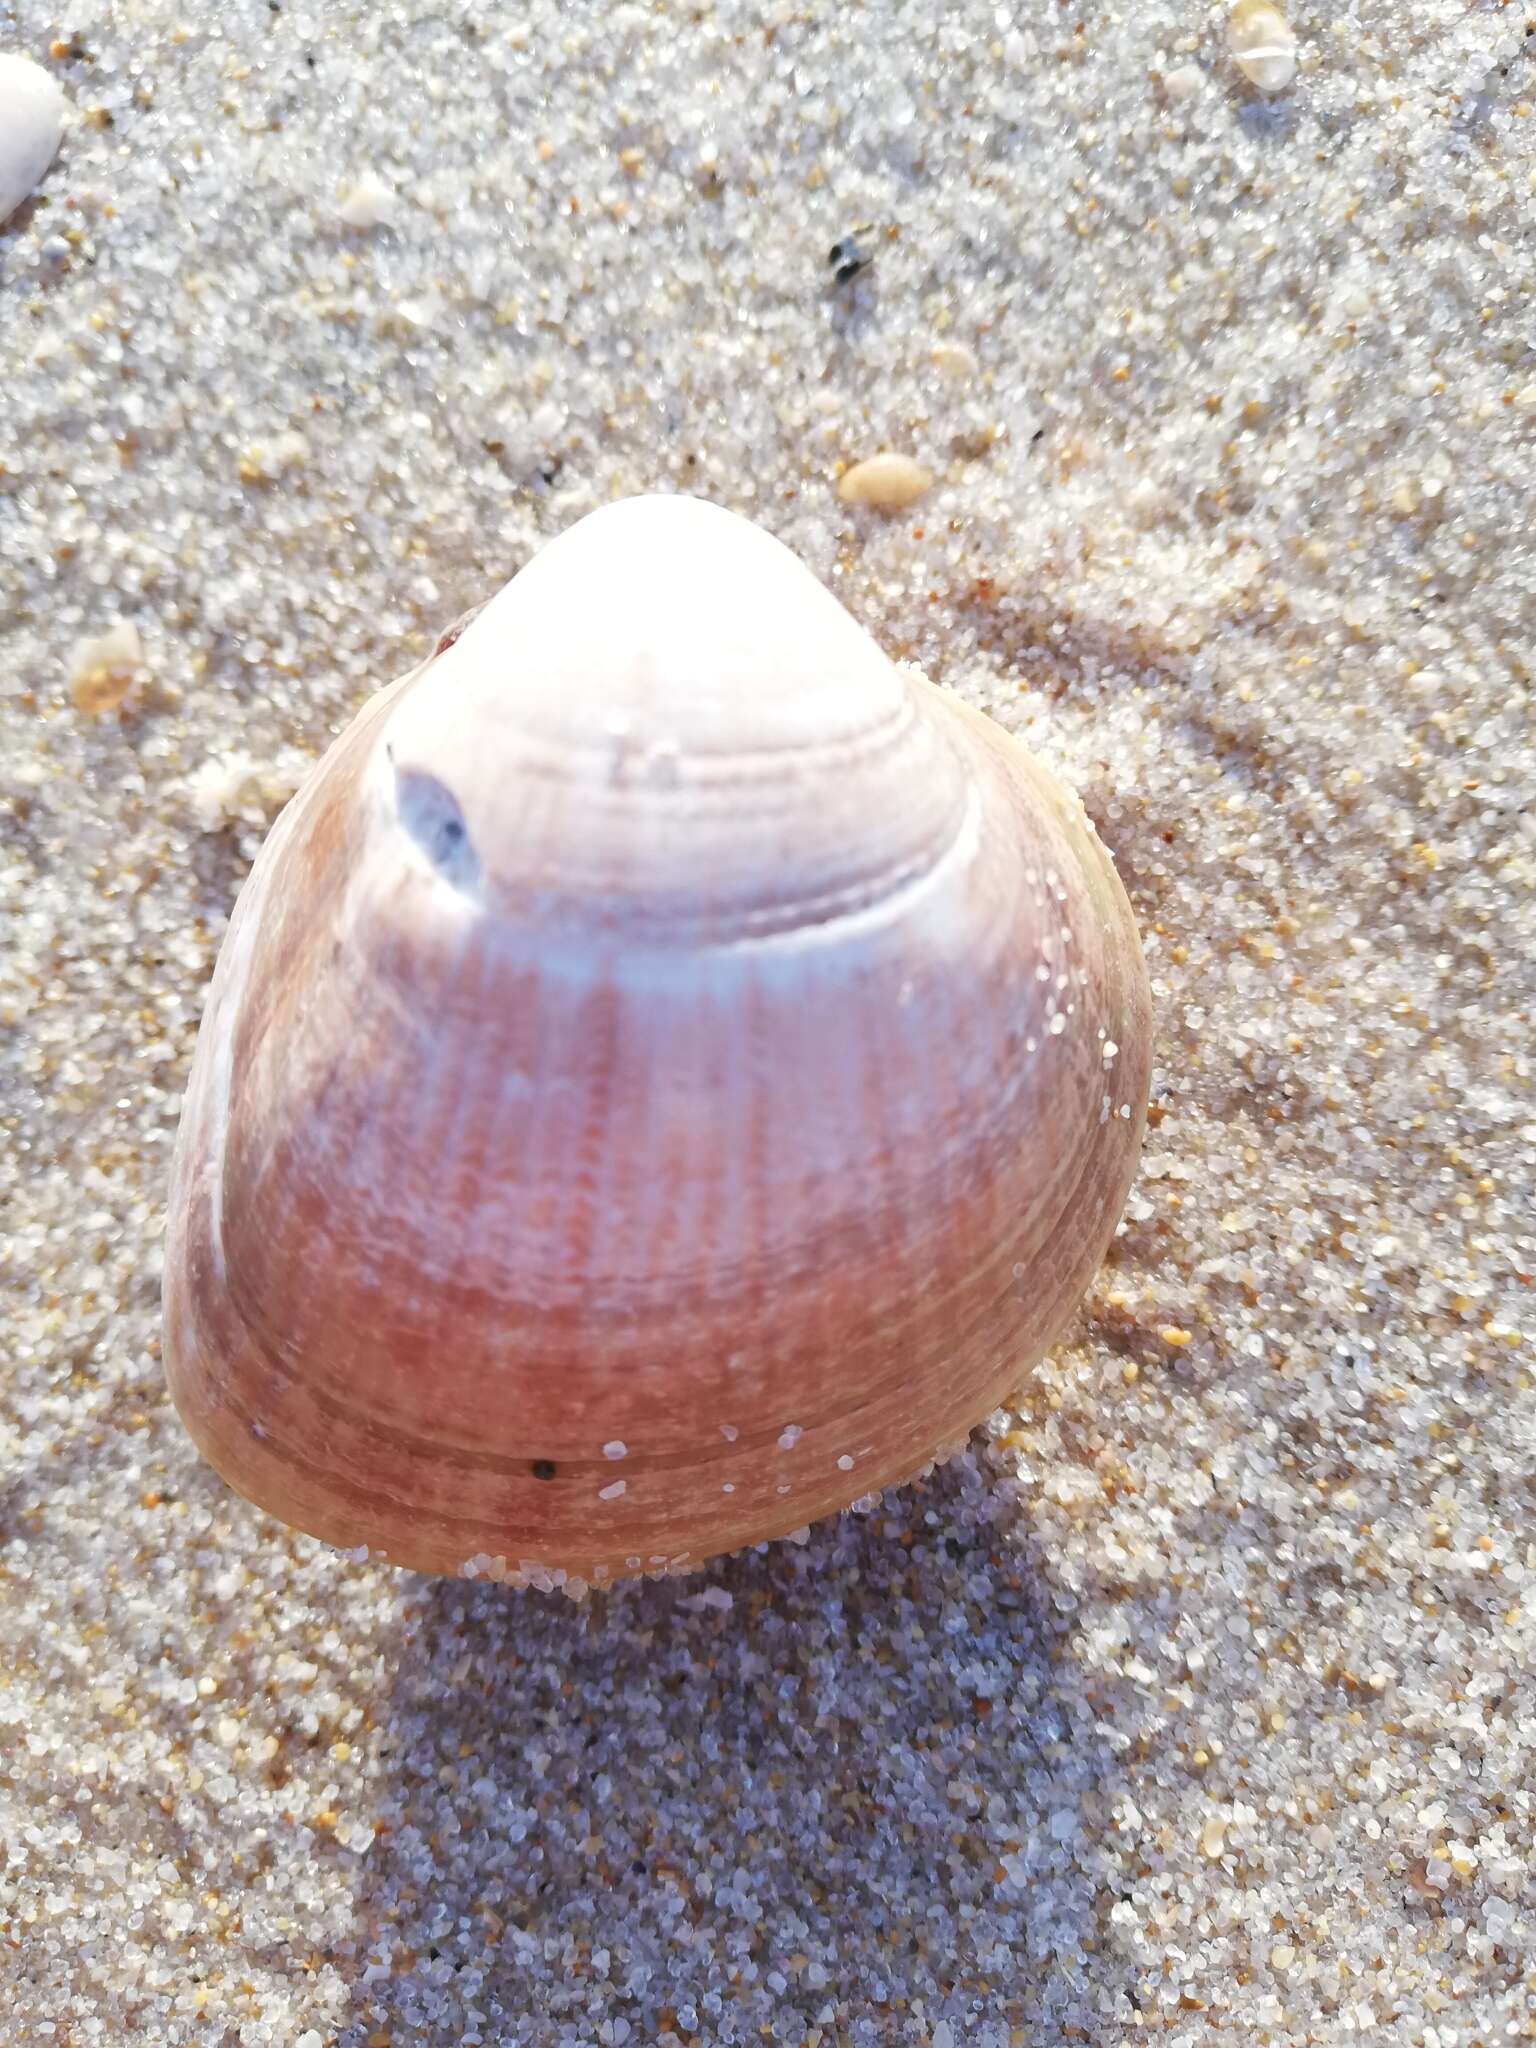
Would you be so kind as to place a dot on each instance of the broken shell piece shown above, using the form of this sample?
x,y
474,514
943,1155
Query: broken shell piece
x,y
368,202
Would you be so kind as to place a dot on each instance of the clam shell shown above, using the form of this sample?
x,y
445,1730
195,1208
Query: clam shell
x,y
670,1072
31,128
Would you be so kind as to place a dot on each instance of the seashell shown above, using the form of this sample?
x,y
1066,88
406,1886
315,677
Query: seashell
x,y
1263,44
887,481
669,1073
31,128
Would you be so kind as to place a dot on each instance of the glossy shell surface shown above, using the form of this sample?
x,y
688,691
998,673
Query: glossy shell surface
x,y
670,1072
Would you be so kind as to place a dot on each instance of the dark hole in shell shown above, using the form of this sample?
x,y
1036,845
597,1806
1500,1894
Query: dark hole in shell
x,y
430,812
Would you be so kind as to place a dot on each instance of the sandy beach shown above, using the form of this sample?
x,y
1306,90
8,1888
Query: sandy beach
x,y
1197,1700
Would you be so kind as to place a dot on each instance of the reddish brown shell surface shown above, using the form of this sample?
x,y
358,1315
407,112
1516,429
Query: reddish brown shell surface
x,y
670,1072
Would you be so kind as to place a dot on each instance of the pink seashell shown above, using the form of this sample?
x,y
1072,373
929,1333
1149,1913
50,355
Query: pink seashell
x,y
658,1021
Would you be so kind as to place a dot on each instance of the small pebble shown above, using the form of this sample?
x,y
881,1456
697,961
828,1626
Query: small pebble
x,y
1183,82
103,668
31,127
953,359
886,481
1263,44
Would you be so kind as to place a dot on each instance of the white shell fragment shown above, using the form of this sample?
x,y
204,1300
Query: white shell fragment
x,y
886,481
31,127
1263,44
367,202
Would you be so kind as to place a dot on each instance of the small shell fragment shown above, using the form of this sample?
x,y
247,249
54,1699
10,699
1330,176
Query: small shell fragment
x,y
31,128
886,481
1263,44
367,202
